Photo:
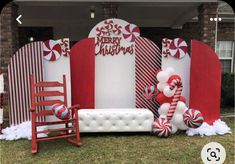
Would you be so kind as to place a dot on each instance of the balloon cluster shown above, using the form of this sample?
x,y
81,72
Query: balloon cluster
x,y
174,114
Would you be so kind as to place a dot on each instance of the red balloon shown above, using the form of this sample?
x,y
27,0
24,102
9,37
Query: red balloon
x,y
161,98
173,77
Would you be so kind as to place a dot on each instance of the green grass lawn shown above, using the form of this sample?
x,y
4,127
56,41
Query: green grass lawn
x,y
118,148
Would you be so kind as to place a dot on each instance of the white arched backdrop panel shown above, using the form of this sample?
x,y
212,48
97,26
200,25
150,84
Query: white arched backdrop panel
x,y
25,62
30,59
114,74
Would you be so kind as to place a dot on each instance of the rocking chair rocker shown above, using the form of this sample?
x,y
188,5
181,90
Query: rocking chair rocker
x,y
39,112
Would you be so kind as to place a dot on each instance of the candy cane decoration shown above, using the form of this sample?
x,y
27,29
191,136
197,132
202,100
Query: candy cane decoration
x,y
175,83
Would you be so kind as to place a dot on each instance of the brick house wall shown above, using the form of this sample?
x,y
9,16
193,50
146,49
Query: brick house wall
x,y
226,31
9,44
110,10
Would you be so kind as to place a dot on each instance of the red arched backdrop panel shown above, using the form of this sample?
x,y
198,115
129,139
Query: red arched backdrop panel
x,y
205,81
82,63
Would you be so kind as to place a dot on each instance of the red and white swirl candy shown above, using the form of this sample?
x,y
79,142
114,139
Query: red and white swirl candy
x,y
161,127
193,118
130,32
64,43
100,31
117,29
61,111
108,24
51,50
165,47
178,48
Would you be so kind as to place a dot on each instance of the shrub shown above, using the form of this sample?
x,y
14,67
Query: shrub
x,y
227,91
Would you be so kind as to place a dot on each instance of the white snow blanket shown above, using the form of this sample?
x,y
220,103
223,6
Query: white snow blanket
x,y
218,127
21,131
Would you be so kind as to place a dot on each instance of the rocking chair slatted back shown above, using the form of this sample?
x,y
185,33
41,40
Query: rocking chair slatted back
x,y
56,93
49,84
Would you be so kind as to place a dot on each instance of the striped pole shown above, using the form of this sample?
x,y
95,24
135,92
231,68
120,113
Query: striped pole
x,y
175,83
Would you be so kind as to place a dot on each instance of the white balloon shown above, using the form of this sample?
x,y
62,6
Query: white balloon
x,y
163,76
162,116
174,129
170,70
161,86
167,92
180,107
177,120
163,109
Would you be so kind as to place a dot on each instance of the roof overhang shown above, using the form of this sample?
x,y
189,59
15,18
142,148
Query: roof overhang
x,y
150,13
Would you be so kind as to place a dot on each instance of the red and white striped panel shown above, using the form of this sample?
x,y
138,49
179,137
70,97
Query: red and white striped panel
x,y
147,62
26,61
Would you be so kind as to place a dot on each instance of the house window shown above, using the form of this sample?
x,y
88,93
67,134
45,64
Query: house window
x,y
224,50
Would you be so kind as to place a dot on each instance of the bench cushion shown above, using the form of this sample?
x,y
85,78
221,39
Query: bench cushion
x,y
115,120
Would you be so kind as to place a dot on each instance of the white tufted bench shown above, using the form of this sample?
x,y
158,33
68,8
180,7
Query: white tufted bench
x,y
115,120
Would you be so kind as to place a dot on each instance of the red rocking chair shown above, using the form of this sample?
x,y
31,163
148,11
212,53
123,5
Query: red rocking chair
x,y
38,113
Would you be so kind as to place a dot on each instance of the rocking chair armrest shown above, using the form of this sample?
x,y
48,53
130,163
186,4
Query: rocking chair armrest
x,y
74,107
